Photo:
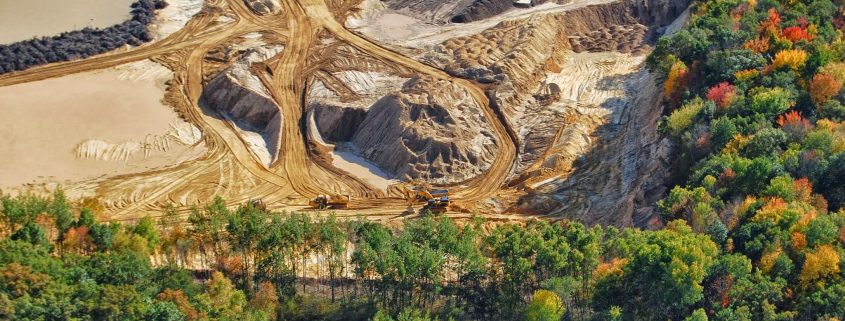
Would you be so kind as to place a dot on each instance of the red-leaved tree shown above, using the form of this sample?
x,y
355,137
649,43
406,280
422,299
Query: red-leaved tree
x,y
722,94
795,125
796,33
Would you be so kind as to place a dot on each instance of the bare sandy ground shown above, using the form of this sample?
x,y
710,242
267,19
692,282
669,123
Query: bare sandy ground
x,y
174,17
43,123
361,168
391,26
22,20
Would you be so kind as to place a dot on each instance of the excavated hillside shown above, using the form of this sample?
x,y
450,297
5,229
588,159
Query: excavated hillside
x,y
568,84
238,95
545,111
572,87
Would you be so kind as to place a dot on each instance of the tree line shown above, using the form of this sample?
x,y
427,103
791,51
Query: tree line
x,y
58,262
83,43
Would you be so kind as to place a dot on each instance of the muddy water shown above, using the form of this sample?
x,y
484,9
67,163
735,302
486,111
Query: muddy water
x,y
22,20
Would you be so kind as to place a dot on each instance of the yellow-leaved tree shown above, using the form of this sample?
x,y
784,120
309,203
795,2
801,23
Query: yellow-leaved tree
x,y
676,81
792,58
544,306
819,264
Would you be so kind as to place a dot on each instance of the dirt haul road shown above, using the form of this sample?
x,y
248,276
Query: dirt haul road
x,y
295,176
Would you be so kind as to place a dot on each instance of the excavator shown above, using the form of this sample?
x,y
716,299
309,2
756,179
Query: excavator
x,y
434,200
323,202
258,204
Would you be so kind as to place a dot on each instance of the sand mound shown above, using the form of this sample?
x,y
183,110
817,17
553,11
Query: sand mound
x,y
431,130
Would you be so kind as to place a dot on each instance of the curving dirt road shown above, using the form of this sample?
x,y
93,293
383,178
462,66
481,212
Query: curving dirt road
x,y
295,175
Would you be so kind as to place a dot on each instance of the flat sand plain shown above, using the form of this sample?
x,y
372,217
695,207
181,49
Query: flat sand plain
x,y
22,20
42,123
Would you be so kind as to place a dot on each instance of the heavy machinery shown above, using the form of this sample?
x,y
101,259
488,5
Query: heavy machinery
x,y
258,204
434,200
323,202
523,3
439,201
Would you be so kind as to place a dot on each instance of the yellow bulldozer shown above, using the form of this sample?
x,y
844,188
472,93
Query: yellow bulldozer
x,y
323,202
434,200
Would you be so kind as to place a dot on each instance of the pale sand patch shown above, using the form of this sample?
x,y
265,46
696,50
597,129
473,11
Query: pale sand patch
x,y
174,17
362,168
22,20
42,124
388,25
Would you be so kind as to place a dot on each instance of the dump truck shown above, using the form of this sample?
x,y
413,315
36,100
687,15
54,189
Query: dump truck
x,y
323,202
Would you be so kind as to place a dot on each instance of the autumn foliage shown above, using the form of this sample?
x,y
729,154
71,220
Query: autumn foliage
x,y
722,94
821,263
178,298
794,124
796,33
759,45
747,74
793,58
771,24
823,87
676,81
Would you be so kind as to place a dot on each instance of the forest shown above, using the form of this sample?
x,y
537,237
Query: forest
x,y
83,43
754,227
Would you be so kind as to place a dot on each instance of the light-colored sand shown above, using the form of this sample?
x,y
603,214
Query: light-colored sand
x,y
384,24
22,20
361,168
392,26
174,17
43,123
597,80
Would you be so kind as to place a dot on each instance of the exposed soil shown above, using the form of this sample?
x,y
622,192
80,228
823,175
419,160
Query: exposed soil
x,y
522,113
40,132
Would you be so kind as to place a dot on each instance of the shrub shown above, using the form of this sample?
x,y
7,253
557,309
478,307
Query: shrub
x,y
81,43
544,306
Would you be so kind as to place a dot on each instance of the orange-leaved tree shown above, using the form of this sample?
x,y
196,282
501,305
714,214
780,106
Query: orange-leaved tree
x,y
823,87
676,81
